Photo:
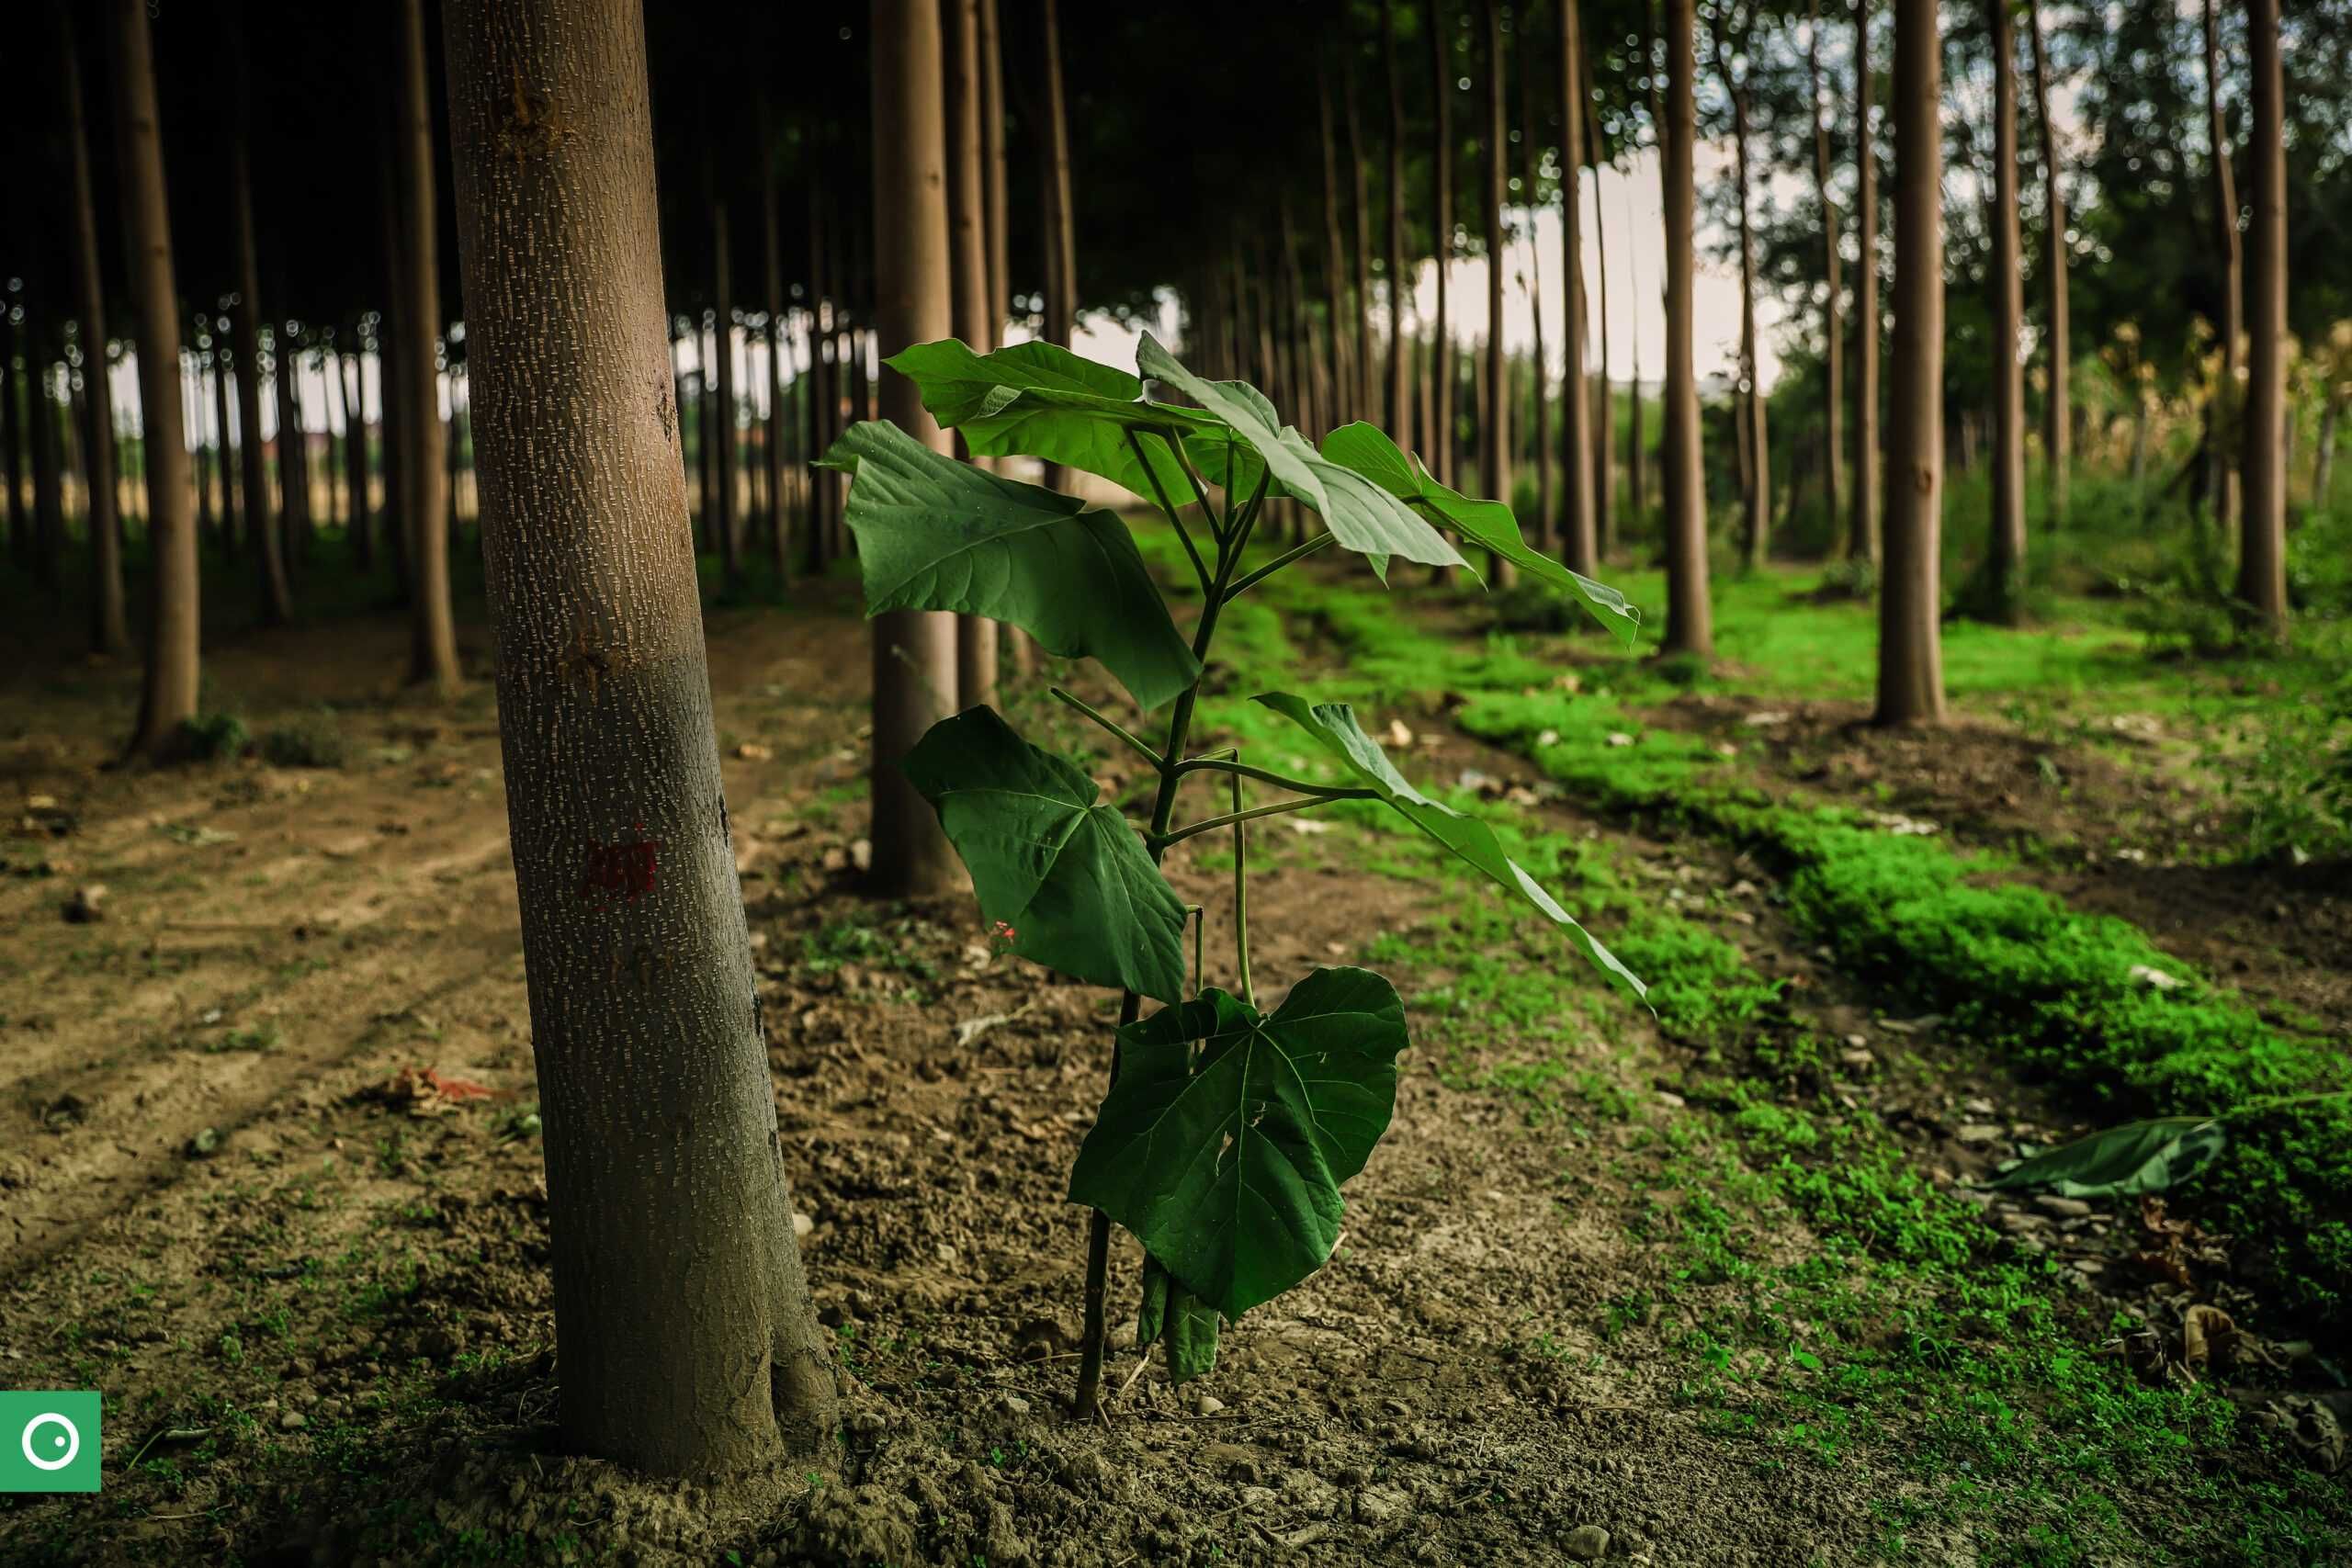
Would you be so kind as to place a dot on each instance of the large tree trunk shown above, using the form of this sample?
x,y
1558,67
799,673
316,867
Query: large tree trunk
x,y
976,636
1494,420
2058,429
1400,385
1833,337
1689,628
1580,538
1910,654
1756,455
433,647
664,1162
2222,480
167,700
109,624
2005,560
996,193
276,605
914,650
1863,543
1440,442
2262,555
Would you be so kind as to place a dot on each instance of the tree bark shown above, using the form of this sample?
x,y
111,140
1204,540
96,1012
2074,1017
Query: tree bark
x,y
2323,460
1756,454
1400,385
914,650
1547,519
1910,661
1636,460
1358,402
293,456
2058,419
664,1161
1339,364
1441,457
996,194
824,396
1833,336
1579,535
1061,252
1689,617
167,699
1862,544
2262,555
276,605
353,376
2232,324
772,252
1604,420
722,344
110,622
48,456
2005,562
976,636
12,431
433,648
1494,422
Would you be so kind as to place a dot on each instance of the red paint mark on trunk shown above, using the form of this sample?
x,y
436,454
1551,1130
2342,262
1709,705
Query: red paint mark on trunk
x,y
625,870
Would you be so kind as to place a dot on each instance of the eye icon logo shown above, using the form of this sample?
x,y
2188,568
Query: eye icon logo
x,y
48,1440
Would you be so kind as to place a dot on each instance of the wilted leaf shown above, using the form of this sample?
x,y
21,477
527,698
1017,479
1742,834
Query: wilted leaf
x,y
2139,1156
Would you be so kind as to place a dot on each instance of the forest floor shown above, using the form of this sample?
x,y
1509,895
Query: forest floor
x,y
1711,1286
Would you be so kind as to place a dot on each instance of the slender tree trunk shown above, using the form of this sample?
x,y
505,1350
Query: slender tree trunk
x,y
1441,21
110,622
1546,520
1833,336
1338,365
2323,460
968,255
914,650
2005,566
771,252
722,343
1359,401
49,475
353,376
1637,458
1862,544
12,430
1061,244
996,193
2262,557
1580,535
1604,428
1494,422
433,654
276,605
1910,661
664,1163
823,396
1400,385
2058,417
2232,324
293,456
1756,456
1689,628
167,700
232,525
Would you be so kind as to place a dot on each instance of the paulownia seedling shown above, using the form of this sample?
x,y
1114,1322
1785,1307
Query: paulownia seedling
x,y
1227,1131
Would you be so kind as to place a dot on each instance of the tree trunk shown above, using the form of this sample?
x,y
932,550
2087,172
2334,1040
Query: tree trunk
x,y
2057,406
1580,537
967,248
167,700
1637,457
771,252
109,623
1756,454
1358,398
353,377
49,453
276,604
433,649
914,650
2005,563
1689,616
822,396
1441,457
1833,337
722,344
1910,659
996,194
1863,543
1061,240
293,456
1546,520
2323,460
1603,420
2262,556
1400,385
1494,421
2226,219
664,1162
1339,366
12,430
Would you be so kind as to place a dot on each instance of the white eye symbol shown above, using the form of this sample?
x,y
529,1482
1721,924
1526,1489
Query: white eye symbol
x,y
72,1442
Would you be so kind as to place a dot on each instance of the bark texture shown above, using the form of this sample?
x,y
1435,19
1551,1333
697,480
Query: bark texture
x,y
1440,455
109,623
1580,540
2005,563
2057,409
1910,654
2262,554
261,508
1689,626
1494,417
167,699
664,1164
1400,386
1833,335
1755,450
976,636
433,632
2223,483
1863,543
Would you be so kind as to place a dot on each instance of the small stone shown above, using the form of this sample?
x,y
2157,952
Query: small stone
x,y
801,1225
1586,1543
1382,1505
1207,1404
753,751
2064,1208
1980,1133
1858,1060
1015,1405
293,1421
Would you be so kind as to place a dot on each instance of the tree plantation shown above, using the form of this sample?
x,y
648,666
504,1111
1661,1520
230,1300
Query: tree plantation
x,y
990,781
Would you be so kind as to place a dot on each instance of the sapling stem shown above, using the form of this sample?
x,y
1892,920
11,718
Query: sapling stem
x,y
1296,552
1241,893
1211,761
1232,819
1070,700
1135,445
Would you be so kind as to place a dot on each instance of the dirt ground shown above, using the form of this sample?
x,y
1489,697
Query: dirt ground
x,y
313,1289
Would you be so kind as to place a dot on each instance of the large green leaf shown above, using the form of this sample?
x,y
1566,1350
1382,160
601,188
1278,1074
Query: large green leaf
x,y
1066,881
1361,516
1038,400
1223,1143
934,533
1334,728
1365,449
2138,1156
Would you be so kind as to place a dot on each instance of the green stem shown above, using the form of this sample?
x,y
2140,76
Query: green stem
x,y
1210,825
1296,552
1215,765
1105,721
1135,445
1241,893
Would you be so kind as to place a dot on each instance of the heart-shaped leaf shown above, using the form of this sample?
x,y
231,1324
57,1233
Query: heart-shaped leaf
x,y
1065,882
1361,516
934,533
1334,728
1223,1143
2139,1156
1365,450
